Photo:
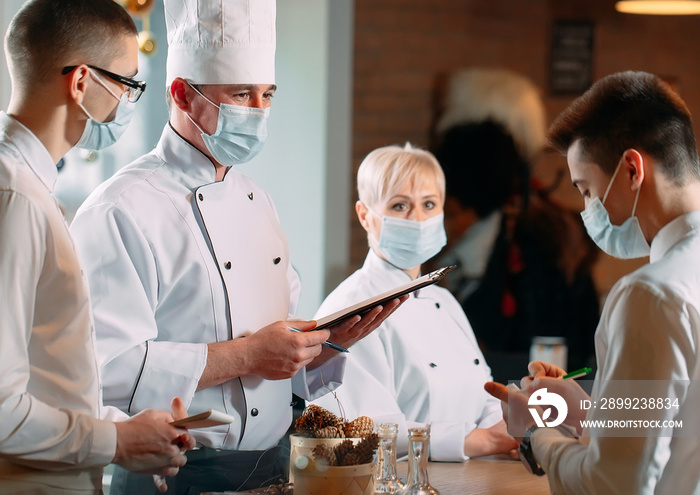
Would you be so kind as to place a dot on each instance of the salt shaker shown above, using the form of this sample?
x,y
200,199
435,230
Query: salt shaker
x,y
418,483
385,479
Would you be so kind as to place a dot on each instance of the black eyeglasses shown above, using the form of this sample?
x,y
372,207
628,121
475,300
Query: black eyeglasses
x,y
134,88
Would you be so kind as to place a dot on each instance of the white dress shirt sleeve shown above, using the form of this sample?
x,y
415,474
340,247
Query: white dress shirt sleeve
x,y
138,371
33,433
645,335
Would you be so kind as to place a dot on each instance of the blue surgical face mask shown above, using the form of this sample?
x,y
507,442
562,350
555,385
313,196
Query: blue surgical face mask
x,y
240,133
624,241
407,243
99,135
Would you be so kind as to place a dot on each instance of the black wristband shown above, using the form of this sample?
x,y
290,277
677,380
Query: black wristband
x,y
526,455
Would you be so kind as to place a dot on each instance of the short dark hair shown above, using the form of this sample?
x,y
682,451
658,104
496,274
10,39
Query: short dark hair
x,y
483,168
46,35
630,110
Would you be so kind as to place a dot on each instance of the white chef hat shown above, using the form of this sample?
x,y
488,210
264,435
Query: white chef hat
x,y
221,41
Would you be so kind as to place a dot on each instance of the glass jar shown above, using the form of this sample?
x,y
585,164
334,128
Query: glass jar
x,y
386,482
418,483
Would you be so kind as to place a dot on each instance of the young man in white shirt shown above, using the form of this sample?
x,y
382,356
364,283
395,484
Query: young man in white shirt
x,y
71,64
632,154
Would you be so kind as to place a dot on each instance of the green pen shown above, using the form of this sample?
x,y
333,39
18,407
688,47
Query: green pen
x,y
578,373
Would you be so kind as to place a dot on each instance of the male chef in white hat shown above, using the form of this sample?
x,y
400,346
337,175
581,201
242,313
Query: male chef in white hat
x,y
185,256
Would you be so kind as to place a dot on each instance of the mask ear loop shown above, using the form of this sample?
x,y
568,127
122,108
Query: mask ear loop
x,y
195,124
636,198
99,81
612,179
208,100
200,94
103,84
372,211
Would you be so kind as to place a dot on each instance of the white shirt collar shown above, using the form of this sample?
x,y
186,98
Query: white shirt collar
x,y
387,275
174,150
25,143
673,232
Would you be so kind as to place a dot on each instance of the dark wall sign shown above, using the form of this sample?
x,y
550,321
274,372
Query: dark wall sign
x,y
571,61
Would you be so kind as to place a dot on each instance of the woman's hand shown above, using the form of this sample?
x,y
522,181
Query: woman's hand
x,y
351,330
490,441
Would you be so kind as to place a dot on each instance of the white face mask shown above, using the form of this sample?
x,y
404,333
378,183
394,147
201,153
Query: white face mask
x,y
624,241
99,135
240,132
407,244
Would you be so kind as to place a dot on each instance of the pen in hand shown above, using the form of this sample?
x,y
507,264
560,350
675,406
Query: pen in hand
x,y
577,374
512,387
336,347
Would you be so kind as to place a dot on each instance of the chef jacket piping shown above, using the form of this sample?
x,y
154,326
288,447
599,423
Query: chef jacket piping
x,y
244,416
138,379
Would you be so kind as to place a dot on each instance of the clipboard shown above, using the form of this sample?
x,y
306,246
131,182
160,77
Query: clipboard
x,y
204,420
368,304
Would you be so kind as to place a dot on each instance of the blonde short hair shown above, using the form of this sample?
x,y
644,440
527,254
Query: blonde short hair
x,y
385,171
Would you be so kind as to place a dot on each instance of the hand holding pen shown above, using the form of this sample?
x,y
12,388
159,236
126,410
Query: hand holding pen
x,y
540,367
577,374
542,370
331,345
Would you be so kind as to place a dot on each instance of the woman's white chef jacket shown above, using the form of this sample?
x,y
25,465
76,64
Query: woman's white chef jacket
x,y
175,261
422,365
50,395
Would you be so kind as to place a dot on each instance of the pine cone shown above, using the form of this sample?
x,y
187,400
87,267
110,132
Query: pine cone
x,y
304,425
352,459
329,432
359,428
343,449
326,418
314,418
325,453
366,447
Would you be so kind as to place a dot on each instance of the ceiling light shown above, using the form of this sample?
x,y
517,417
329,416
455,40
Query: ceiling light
x,y
659,7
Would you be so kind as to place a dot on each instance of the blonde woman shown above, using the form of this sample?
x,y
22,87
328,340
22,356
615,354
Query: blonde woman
x,y
423,364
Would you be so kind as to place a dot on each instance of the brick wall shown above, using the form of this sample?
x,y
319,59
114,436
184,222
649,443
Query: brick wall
x,y
405,48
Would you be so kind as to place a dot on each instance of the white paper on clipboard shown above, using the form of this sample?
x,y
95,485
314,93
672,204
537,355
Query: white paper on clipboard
x,y
367,305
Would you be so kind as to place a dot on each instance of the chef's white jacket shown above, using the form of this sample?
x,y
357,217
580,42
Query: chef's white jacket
x,y
649,330
422,365
176,261
50,395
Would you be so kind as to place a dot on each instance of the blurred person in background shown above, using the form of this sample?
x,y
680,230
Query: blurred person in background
x,y
523,260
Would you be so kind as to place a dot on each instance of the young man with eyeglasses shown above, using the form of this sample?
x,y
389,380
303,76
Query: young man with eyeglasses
x,y
69,61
